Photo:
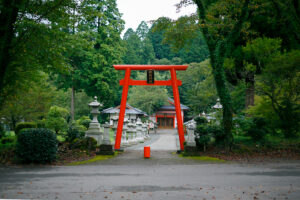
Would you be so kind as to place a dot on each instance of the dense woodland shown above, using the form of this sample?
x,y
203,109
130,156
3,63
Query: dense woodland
x,y
59,54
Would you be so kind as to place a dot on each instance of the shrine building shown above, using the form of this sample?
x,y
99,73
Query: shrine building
x,y
165,116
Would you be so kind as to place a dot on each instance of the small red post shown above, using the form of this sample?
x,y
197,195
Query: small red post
x,y
177,108
146,152
122,109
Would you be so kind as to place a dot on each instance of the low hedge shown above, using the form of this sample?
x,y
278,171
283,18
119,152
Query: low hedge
x,y
23,125
36,145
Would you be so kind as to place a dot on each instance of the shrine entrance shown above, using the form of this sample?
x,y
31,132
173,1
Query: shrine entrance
x,y
166,122
174,82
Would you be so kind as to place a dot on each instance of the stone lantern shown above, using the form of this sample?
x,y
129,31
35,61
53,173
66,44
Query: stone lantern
x,y
218,105
139,130
124,141
144,126
191,135
94,128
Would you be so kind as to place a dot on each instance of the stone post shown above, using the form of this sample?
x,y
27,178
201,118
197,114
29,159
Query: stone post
x,y
106,138
94,128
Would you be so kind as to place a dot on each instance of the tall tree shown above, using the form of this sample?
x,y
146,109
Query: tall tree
x,y
133,48
220,47
95,45
104,28
142,30
31,39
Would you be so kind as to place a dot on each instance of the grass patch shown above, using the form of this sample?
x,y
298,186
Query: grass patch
x,y
95,159
204,158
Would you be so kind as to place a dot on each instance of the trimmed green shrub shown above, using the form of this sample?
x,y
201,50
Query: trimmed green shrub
x,y
56,119
36,145
23,125
87,143
202,134
73,133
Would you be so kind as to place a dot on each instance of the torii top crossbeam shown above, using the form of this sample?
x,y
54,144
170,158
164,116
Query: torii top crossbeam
x,y
126,82
150,67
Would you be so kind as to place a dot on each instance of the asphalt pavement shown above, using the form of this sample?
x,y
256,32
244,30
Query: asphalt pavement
x,y
164,176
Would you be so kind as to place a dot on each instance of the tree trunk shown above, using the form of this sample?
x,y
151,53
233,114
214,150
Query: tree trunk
x,y
220,80
250,91
8,17
73,104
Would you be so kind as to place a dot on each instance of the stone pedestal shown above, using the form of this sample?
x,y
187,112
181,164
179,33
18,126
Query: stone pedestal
x,y
95,132
105,149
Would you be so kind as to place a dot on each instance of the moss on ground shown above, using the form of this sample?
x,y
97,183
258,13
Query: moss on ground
x,y
204,158
95,159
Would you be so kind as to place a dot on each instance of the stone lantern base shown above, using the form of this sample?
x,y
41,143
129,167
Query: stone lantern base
x,y
95,132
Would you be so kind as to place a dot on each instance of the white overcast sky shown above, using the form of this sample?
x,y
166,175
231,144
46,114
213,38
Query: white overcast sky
x,y
135,11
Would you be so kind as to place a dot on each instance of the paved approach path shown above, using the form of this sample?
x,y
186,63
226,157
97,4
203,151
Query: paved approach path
x,y
164,139
164,176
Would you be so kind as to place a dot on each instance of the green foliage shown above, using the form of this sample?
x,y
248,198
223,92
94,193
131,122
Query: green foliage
x,y
56,119
259,51
200,120
32,39
146,98
84,121
23,125
198,90
30,104
2,131
41,123
74,132
8,139
242,124
202,134
37,146
279,85
87,143
139,47
7,152
257,130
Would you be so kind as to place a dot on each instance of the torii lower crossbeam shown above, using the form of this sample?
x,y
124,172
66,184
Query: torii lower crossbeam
x,y
126,82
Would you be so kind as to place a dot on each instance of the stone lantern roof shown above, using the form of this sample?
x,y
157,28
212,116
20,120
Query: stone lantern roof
x,y
95,103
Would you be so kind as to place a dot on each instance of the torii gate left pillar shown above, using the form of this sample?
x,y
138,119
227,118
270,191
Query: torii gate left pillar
x,y
126,82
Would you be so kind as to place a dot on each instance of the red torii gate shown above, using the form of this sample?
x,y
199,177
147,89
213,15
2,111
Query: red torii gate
x,y
126,82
